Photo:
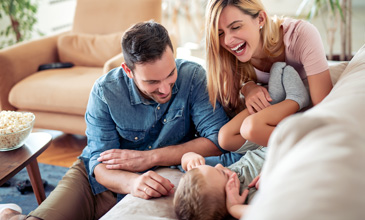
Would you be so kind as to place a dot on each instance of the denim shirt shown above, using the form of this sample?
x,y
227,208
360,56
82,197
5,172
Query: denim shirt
x,y
118,117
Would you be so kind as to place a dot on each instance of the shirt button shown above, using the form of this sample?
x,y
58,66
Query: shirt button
x,y
164,120
149,147
158,107
135,138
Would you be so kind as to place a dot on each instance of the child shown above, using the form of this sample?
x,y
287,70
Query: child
x,y
205,192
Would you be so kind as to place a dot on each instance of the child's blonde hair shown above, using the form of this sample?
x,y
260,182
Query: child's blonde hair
x,y
225,73
194,201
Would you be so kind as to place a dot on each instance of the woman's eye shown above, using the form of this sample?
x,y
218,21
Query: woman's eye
x,y
220,34
236,27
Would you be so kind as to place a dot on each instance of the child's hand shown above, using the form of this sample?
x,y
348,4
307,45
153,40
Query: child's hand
x,y
234,200
255,182
191,160
233,191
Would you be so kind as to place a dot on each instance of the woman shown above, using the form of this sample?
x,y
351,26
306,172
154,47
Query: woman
x,y
242,45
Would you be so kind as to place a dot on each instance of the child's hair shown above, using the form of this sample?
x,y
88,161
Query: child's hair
x,y
194,199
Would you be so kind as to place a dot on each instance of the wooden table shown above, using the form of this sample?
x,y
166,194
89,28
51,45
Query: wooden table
x,y
26,156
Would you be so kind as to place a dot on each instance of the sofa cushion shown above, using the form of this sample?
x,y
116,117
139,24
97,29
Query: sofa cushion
x,y
108,16
88,49
135,208
57,90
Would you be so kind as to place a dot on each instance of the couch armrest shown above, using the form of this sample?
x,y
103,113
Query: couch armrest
x,y
113,62
21,60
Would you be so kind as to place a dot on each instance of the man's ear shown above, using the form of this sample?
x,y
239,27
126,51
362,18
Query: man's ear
x,y
127,70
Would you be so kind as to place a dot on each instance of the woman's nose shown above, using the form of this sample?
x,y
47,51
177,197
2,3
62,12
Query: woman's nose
x,y
227,39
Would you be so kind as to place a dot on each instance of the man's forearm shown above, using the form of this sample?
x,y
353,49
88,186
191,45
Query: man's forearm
x,y
171,155
118,181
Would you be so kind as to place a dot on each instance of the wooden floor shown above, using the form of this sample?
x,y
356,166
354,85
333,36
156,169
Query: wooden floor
x,y
63,150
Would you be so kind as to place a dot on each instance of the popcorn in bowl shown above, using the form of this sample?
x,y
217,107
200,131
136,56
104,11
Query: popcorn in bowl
x,y
15,127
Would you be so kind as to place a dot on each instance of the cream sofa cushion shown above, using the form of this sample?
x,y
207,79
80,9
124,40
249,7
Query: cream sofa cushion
x,y
135,208
46,91
315,162
88,49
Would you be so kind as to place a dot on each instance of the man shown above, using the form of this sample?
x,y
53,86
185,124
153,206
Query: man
x,y
147,113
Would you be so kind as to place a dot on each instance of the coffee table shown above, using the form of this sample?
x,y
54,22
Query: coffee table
x,y
26,156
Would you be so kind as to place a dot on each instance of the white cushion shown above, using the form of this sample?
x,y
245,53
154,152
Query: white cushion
x,y
131,207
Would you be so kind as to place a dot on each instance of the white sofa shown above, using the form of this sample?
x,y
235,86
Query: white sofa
x,y
315,162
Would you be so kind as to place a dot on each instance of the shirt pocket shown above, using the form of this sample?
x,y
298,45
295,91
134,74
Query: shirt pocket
x,y
131,138
172,115
173,129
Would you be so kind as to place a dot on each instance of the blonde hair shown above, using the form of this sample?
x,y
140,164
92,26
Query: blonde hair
x,y
224,72
194,201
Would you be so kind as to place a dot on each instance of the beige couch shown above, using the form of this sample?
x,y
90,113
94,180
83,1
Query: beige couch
x,y
315,162
58,97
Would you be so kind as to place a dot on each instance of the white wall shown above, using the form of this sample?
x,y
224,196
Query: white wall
x,y
55,16
289,7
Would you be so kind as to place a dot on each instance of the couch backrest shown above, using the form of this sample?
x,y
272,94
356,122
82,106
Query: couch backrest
x,y
109,16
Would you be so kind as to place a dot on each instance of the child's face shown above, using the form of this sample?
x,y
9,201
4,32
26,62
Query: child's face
x,y
218,176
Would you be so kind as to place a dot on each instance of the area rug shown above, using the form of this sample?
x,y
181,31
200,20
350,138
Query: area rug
x,y
10,194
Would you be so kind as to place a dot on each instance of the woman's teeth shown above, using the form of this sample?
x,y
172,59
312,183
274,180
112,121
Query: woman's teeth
x,y
235,49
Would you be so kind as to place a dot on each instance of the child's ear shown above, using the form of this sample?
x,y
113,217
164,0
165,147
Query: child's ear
x,y
127,70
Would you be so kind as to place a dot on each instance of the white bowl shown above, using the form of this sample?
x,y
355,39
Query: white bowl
x,y
14,140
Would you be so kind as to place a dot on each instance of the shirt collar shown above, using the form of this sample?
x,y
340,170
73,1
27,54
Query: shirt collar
x,y
136,97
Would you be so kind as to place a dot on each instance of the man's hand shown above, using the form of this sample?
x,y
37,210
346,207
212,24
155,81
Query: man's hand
x,y
151,185
129,160
234,200
191,160
256,97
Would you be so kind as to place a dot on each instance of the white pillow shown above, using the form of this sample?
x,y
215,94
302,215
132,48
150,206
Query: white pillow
x,y
316,174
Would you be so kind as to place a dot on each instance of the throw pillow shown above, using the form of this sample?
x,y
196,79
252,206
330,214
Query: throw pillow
x,y
88,49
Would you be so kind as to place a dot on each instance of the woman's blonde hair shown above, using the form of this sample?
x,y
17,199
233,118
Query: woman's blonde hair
x,y
224,71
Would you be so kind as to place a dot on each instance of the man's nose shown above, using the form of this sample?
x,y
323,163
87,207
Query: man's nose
x,y
164,87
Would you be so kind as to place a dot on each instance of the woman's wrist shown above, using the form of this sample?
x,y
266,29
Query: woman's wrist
x,y
246,86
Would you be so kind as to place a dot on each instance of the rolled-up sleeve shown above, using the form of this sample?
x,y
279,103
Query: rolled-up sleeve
x,y
101,133
207,120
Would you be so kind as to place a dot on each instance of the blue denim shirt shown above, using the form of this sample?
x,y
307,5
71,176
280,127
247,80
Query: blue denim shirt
x,y
118,117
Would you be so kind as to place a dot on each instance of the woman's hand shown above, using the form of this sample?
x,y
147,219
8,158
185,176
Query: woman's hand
x,y
256,97
191,160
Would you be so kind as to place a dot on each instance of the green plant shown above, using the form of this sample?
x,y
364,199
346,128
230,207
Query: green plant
x,y
22,15
333,12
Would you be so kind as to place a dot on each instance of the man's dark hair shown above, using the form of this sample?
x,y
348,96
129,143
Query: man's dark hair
x,y
144,42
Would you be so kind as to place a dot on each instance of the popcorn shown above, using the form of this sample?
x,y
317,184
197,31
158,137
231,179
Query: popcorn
x,y
14,128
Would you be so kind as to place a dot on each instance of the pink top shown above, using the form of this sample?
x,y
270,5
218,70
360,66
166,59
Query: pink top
x,y
303,49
